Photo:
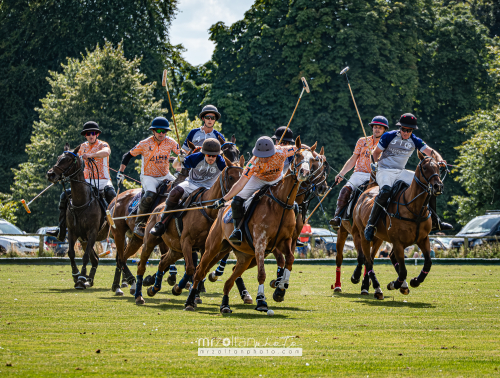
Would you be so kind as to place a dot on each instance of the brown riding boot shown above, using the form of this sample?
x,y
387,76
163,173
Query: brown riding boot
x,y
343,200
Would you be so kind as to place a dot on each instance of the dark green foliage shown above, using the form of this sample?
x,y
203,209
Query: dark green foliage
x,y
104,87
415,56
37,36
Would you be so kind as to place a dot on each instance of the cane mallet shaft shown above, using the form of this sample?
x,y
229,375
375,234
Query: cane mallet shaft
x,y
322,199
164,83
26,205
163,212
305,87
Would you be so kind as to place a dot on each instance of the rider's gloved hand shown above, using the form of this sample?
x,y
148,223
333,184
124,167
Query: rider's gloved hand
x,y
374,167
181,157
218,204
338,179
119,177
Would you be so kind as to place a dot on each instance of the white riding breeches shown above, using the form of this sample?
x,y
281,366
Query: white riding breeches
x,y
150,183
357,179
189,187
390,176
255,184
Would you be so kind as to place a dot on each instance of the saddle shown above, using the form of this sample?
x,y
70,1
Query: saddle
x,y
161,191
398,186
347,212
193,199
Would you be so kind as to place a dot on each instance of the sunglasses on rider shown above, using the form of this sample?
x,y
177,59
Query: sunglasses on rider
x,y
161,131
209,117
91,133
403,130
210,156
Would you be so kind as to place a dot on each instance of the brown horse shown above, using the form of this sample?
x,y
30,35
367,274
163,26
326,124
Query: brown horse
x,y
271,225
193,236
411,224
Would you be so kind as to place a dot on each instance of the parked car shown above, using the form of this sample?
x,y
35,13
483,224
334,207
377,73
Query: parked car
x,y
60,248
19,243
441,243
327,240
484,225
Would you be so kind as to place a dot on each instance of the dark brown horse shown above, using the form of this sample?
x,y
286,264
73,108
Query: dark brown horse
x,y
272,224
85,217
193,235
411,224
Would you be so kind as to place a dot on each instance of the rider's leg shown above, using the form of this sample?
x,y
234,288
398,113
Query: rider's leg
x,y
172,204
342,201
144,208
437,224
378,207
238,212
60,232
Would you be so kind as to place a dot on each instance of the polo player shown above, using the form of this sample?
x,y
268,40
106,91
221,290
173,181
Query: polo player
x,y
99,151
391,155
360,161
209,115
155,152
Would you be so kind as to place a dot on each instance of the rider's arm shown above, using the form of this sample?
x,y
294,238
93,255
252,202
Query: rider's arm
x,y
177,165
125,160
236,188
349,164
376,154
105,152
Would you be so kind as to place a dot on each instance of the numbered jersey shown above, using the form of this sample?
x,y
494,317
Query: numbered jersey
x,y
155,157
396,150
202,173
102,163
270,168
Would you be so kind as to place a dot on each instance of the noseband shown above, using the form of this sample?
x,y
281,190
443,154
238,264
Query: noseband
x,y
426,187
223,181
63,173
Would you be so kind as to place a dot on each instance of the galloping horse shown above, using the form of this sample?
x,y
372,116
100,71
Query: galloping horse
x,y
193,235
411,224
270,225
124,226
85,217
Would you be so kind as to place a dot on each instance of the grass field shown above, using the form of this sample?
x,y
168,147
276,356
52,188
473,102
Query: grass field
x,y
449,326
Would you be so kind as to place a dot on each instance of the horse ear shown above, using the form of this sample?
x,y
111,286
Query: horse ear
x,y
233,139
313,148
75,151
434,155
322,152
420,155
221,141
66,147
242,161
191,145
228,162
297,142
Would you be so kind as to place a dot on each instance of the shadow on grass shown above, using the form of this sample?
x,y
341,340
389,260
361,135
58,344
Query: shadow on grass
x,y
391,303
73,290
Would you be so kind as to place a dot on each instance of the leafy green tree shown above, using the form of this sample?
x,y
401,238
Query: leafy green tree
x,y
38,36
418,56
102,86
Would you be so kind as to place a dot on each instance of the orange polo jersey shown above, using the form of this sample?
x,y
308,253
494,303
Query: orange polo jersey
x,y
102,163
270,168
155,157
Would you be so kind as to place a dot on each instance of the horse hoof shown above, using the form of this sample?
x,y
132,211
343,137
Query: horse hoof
x,y
414,282
87,284
338,289
124,285
188,286
354,280
262,306
404,290
148,280
279,295
247,298
379,296
150,292
212,277
172,279
390,286
364,292
119,292
225,310
139,301
273,284
189,308
198,300
176,290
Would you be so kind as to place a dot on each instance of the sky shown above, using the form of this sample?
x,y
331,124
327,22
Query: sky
x,y
195,17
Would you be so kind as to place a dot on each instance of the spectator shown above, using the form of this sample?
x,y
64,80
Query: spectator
x,y
433,249
306,229
415,254
385,252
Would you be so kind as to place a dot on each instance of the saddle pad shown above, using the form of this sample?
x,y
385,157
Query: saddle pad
x,y
354,200
228,215
134,205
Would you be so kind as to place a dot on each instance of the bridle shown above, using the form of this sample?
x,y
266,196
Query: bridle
x,y
223,180
63,173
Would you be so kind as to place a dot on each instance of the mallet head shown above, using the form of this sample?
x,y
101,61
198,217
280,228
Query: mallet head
x,y
26,206
344,70
305,85
164,79
110,219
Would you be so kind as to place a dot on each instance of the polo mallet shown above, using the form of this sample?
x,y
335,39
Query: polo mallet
x,y
305,87
109,216
26,205
164,83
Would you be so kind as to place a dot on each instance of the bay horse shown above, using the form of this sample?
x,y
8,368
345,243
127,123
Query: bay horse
x,y
125,227
193,235
270,225
85,217
411,224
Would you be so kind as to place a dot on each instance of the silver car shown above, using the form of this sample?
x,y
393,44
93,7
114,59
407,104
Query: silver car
x,y
20,244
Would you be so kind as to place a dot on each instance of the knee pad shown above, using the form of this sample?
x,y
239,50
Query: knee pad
x,y
148,197
386,189
63,200
109,193
237,207
176,194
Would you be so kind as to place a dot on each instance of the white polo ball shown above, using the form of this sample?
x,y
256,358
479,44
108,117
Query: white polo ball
x,y
270,312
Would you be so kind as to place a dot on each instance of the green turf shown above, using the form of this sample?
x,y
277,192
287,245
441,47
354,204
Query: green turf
x,y
448,327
